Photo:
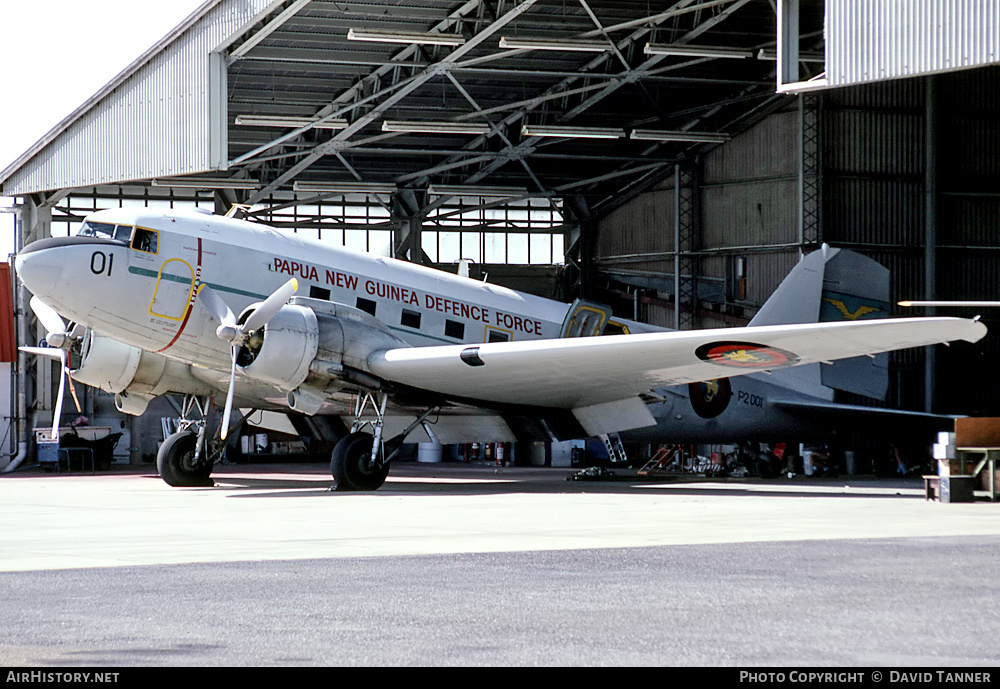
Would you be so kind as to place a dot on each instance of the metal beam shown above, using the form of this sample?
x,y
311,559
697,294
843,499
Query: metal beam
x,y
429,73
267,30
348,100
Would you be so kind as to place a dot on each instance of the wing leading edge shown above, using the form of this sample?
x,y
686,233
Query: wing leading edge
x,y
583,372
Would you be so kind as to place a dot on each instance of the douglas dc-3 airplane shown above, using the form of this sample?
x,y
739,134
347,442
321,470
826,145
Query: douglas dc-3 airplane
x,y
153,297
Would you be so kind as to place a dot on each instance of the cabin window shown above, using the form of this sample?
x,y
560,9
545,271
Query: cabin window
x,y
497,335
319,292
411,319
145,240
454,329
366,305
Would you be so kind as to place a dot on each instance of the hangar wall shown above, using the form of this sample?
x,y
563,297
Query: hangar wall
x,y
876,197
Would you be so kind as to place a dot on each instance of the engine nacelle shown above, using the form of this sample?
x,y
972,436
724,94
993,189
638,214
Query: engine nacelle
x,y
289,345
133,375
310,343
106,363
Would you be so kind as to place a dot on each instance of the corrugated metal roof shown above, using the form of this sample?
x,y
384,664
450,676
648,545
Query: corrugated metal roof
x,y
293,58
872,40
154,118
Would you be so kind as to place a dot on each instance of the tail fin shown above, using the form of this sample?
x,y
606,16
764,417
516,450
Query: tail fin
x,y
835,285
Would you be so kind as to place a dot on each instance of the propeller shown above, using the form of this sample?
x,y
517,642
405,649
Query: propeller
x,y
238,334
59,341
55,326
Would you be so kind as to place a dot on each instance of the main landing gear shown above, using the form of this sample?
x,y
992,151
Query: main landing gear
x,y
360,461
185,458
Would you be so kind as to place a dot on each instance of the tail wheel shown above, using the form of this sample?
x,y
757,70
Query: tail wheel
x,y
176,462
351,464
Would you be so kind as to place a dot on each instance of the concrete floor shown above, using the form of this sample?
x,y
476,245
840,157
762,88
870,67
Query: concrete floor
x,y
618,572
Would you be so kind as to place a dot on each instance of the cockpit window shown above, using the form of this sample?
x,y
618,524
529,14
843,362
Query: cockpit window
x,y
121,233
97,229
145,240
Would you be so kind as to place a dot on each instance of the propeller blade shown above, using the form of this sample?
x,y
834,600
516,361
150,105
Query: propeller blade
x,y
229,398
57,413
50,352
47,316
266,311
72,391
216,306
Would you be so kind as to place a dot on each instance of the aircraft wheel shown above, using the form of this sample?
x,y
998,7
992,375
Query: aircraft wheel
x,y
351,464
768,465
175,462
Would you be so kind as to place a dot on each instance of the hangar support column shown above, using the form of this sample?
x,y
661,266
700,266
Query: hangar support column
x,y
406,214
810,172
930,229
34,221
687,230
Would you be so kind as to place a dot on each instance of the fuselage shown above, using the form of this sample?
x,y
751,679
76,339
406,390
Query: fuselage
x,y
134,275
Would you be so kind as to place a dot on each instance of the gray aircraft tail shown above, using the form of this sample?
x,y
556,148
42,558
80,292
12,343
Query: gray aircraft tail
x,y
834,285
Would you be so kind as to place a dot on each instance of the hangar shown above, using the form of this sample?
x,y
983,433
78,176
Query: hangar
x,y
672,159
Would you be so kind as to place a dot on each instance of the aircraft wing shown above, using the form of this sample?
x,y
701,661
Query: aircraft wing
x,y
592,375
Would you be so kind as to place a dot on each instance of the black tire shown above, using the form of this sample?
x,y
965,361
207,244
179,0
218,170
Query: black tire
x,y
768,465
351,464
175,462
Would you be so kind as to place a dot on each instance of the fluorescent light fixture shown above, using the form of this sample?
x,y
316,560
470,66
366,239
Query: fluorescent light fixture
x,y
566,44
664,135
696,51
460,190
573,132
206,183
384,36
345,187
289,121
804,55
428,127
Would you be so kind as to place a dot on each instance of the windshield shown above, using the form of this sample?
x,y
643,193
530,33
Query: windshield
x,y
121,233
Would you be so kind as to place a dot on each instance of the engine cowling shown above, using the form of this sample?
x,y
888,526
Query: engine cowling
x,y
133,375
311,345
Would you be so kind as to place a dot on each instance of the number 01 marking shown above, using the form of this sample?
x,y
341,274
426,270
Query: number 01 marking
x,y
99,261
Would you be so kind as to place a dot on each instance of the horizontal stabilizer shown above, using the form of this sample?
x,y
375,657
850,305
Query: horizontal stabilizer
x,y
856,418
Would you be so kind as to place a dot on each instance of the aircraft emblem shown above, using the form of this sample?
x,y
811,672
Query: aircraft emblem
x,y
711,397
744,355
855,315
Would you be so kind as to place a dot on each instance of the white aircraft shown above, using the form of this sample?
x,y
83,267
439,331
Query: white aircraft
x,y
153,297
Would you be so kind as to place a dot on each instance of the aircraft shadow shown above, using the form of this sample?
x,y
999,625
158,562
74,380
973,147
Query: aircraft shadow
x,y
464,480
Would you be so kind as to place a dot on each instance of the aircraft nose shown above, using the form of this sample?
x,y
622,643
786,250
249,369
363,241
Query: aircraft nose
x,y
40,268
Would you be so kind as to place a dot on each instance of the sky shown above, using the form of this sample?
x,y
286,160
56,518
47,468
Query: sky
x,y
58,53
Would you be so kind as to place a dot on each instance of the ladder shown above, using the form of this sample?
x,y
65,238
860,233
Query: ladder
x,y
662,459
616,450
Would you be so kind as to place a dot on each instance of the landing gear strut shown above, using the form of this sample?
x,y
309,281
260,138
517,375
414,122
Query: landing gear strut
x,y
184,459
361,461
358,461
